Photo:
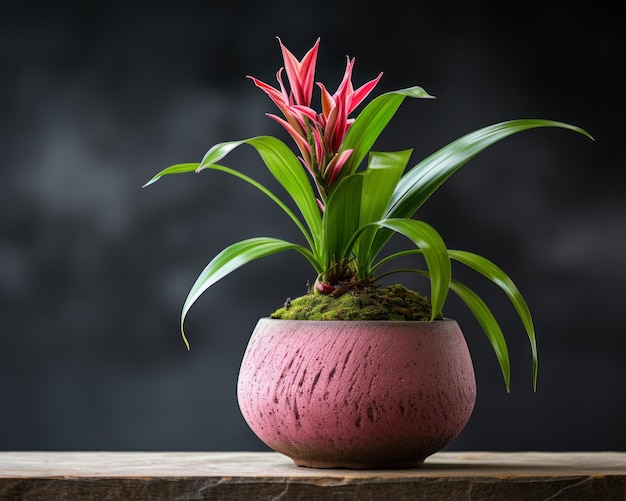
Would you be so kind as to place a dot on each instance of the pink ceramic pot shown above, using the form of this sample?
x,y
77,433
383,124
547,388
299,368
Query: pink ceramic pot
x,y
356,394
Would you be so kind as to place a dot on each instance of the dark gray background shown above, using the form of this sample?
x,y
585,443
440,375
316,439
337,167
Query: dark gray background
x,y
93,269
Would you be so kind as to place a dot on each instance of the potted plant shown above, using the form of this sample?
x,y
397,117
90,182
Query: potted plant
x,y
354,374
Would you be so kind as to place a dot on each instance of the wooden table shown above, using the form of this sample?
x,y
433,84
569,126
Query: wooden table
x,y
249,476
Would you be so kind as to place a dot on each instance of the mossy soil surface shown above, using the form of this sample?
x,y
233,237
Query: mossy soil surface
x,y
395,302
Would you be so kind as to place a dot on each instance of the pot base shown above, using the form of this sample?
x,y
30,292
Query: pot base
x,y
333,464
374,464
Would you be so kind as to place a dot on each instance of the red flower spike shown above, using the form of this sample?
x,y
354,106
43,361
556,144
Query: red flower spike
x,y
300,73
318,135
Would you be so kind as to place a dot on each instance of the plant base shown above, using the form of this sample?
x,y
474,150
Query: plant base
x,y
395,302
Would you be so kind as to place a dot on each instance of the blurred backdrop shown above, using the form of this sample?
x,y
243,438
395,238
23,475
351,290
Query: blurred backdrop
x,y
94,269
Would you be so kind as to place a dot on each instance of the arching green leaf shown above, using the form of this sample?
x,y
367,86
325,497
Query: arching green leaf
x,y
435,253
502,280
419,183
287,170
369,124
489,324
173,169
234,257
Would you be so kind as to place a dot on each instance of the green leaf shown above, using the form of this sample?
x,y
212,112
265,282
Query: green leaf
x,y
383,172
232,258
395,255
418,184
290,173
181,168
341,217
502,280
489,324
287,170
267,192
174,169
435,253
369,124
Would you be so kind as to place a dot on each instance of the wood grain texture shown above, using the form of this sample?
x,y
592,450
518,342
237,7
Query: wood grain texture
x,y
34,476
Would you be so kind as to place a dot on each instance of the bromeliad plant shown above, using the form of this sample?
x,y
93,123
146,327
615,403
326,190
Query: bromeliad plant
x,y
347,214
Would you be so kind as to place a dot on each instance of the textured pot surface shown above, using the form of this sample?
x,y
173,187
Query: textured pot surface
x,y
356,394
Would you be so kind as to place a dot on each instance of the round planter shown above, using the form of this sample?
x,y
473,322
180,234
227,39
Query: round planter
x,y
356,394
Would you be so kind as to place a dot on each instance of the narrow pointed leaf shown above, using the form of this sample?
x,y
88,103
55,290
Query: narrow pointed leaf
x,y
234,257
287,170
435,253
502,280
383,172
421,181
380,179
180,168
173,169
489,324
341,216
369,124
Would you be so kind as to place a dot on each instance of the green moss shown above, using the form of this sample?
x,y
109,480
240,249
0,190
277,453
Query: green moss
x,y
395,302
